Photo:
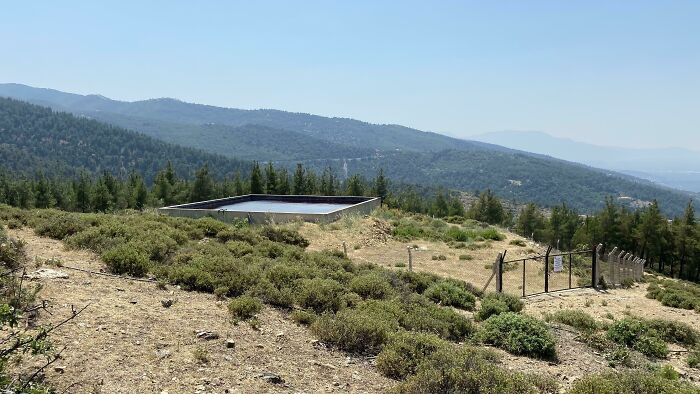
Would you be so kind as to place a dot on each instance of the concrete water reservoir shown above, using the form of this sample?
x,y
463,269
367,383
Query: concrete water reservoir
x,y
267,208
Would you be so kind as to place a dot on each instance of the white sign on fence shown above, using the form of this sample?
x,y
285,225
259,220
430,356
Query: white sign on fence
x,y
558,264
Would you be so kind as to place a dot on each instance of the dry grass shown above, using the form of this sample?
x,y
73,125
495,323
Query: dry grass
x,y
127,342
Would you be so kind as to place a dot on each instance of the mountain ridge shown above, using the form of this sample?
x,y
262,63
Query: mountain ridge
x,y
353,146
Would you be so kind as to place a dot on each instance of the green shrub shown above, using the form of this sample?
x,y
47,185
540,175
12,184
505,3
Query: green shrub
x,y
321,295
496,303
492,234
125,259
466,257
239,248
268,293
519,334
466,370
638,382
284,235
638,335
244,307
417,281
679,299
694,357
12,252
403,353
456,234
517,242
371,285
627,283
651,346
422,315
355,331
449,294
303,317
574,318
675,331
244,235
61,226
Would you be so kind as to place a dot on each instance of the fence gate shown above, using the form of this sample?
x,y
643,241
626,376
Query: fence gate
x,y
547,273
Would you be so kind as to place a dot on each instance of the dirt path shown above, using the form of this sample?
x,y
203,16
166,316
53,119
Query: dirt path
x,y
127,342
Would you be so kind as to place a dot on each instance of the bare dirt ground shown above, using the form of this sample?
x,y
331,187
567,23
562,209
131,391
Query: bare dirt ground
x,y
127,342
369,239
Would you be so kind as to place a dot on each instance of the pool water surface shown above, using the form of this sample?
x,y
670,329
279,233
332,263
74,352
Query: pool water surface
x,y
282,207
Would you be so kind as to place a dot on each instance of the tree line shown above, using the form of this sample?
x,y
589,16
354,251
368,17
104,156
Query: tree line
x,y
108,192
670,245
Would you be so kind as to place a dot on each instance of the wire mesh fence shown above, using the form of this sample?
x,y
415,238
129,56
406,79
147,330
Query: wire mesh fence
x,y
567,270
547,273
526,276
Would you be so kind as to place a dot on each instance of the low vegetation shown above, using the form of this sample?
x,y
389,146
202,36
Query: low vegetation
x,y
496,303
659,382
574,318
411,227
675,294
519,334
408,320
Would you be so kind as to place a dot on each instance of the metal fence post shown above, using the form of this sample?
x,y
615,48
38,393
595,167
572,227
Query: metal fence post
x,y
594,267
524,278
546,270
499,275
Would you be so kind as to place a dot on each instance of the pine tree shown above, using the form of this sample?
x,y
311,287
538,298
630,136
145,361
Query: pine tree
x,y
238,184
270,179
440,208
203,187
354,186
256,185
101,197
530,222
283,186
43,195
299,184
487,208
83,193
381,187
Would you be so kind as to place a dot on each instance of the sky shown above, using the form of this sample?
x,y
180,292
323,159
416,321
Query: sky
x,y
623,72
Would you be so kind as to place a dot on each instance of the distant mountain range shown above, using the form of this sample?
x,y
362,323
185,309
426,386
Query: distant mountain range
x,y
350,146
674,167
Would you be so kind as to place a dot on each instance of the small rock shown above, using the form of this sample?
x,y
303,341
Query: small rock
x,y
230,343
133,302
59,369
259,346
163,353
270,377
167,303
207,335
48,273
120,289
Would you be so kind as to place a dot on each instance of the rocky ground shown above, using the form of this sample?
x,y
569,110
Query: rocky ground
x,y
136,337
127,341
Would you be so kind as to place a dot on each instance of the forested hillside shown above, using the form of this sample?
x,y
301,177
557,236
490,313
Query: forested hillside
x,y
36,139
350,146
520,177
343,131
249,141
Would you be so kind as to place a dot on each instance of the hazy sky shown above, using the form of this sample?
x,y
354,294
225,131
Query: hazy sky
x,y
619,72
